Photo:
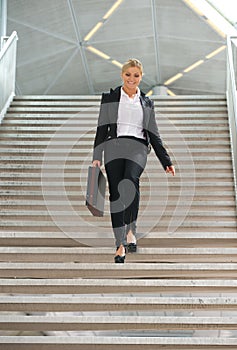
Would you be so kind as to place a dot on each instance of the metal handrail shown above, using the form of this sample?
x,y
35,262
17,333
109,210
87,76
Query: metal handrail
x,y
4,40
7,72
231,95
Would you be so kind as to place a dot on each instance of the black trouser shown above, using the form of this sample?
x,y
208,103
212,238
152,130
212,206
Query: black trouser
x,y
125,160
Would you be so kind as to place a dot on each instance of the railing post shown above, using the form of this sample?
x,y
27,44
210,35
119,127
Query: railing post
x,y
3,12
7,73
231,94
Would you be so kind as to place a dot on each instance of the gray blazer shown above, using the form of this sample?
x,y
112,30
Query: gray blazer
x,y
107,125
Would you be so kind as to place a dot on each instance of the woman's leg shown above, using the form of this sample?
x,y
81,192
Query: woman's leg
x,y
132,173
134,168
115,175
125,160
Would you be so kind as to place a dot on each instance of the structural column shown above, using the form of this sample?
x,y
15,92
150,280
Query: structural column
x,y
3,19
159,90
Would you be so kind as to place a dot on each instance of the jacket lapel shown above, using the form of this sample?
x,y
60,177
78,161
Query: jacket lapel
x,y
114,104
146,110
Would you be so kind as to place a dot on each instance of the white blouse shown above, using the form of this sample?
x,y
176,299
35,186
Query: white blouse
x,y
130,116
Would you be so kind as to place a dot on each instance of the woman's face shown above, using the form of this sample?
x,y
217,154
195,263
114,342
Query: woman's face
x,y
131,78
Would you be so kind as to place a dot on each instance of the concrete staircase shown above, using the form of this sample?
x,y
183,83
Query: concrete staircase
x,y
57,276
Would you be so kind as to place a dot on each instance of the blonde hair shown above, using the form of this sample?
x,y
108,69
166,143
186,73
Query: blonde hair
x,y
133,62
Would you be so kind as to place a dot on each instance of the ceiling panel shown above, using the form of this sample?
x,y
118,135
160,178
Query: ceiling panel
x,y
165,35
31,80
181,22
34,46
89,13
125,24
213,69
185,55
52,17
72,79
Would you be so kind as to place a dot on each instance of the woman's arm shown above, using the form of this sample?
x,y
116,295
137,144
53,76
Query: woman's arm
x,y
101,131
156,141
96,163
170,169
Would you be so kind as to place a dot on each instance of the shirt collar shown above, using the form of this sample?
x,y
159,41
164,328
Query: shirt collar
x,y
137,95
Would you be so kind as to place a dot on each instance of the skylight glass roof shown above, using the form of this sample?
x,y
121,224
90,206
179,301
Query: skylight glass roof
x,y
228,8
215,13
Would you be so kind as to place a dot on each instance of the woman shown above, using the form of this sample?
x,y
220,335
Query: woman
x,y
126,128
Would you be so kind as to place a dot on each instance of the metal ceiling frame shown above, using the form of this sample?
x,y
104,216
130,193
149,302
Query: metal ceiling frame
x,y
3,17
156,40
78,46
81,48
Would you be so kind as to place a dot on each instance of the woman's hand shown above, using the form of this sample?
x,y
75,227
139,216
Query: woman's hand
x,y
170,169
96,163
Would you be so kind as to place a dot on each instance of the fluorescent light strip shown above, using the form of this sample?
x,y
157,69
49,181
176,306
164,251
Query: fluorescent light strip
x,y
98,52
175,77
93,31
149,93
99,24
116,63
171,93
214,53
193,7
216,28
112,9
196,64
212,17
204,16
104,56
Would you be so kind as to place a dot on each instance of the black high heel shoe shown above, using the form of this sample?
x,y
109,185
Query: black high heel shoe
x,y
118,259
132,247
131,238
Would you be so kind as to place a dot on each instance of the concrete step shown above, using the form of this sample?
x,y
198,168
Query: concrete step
x,y
206,108
102,255
69,185
80,121
70,267
89,126
87,102
55,147
77,127
199,176
48,166
119,271
80,158
83,303
103,237
87,286
111,323
72,97
78,224
89,114
57,144
25,150
113,343
204,206
72,219
175,189
98,97
147,195
64,195
65,211
72,137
